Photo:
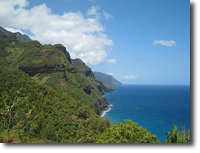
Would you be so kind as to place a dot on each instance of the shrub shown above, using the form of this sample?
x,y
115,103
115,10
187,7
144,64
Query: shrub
x,y
126,133
177,136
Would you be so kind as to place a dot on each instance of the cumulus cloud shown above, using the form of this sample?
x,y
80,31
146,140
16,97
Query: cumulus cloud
x,y
107,15
165,43
112,61
130,76
83,36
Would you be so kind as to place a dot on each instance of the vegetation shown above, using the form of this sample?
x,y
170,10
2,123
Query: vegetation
x,y
44,114
177,136
126,133
19,36
45,97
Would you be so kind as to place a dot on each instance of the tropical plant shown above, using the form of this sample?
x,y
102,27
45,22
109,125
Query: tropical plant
x,y
177,136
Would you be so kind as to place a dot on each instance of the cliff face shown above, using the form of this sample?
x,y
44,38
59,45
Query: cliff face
x,y
51,65
63,49
86,71
107,87
83,68
46,60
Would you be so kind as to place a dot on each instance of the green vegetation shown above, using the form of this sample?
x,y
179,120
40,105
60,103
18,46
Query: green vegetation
x,y
54,117
126,133
19,36
177,136
45,97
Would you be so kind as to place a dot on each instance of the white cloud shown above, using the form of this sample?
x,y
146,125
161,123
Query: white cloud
x,y
165,43
130,77
107,15
83,37
112,61
94,10
13,30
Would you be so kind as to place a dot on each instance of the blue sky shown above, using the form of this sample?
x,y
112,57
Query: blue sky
x,y
137,41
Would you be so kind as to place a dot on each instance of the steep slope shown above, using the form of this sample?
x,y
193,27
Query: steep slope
x,y
86,71
51,65
107,87
106,78
54,117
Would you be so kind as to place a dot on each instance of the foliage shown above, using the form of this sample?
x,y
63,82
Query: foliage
x,y
61,117
126,133
59,103
177,136
18,112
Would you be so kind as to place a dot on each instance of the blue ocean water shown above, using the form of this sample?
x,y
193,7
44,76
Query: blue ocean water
x,y
154,107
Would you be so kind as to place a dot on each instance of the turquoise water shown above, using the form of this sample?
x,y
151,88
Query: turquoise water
x,y
154,107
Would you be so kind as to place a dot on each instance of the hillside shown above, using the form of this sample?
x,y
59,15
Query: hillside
x,y
49,116
20,37
42,77
47,97
106,78
86,71
51,65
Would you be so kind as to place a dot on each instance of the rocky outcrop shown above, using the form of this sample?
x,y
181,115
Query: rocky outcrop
x,y
63,49
45,69
82,68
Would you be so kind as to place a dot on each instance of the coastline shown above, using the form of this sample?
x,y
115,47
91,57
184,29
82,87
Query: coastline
x,y
104,111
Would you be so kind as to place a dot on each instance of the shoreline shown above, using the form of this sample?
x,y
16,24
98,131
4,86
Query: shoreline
x,y
104,111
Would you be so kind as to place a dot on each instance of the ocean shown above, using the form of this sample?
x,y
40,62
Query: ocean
x,y
154,107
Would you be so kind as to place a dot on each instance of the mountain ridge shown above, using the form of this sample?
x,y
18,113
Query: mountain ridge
x,y
107,78
46,97
20,37
52,65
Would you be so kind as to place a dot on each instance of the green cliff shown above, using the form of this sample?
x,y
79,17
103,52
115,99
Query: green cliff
x,y
51,65
47,97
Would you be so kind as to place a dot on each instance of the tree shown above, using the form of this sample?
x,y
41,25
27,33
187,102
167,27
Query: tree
x,y
17,113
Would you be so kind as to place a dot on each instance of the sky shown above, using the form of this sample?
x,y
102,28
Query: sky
x,y
136,41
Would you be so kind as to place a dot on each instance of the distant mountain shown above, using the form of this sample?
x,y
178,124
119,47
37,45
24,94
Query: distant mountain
x,y
86,71
106,78
20,37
